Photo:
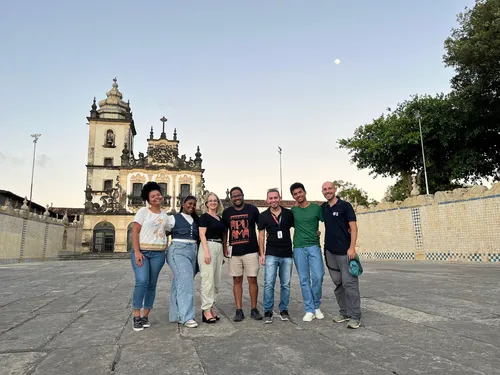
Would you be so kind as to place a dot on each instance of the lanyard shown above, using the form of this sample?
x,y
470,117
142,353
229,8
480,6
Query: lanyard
x,y
276,220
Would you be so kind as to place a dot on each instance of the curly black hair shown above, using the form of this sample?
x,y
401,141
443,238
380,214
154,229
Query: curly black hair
x,y
148,188
194,215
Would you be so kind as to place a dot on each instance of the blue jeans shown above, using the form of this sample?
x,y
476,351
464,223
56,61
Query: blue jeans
x,y
311,270
146,278
270,271
181,257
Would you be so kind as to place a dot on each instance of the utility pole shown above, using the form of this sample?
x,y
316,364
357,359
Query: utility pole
x,y
419,118
280,150
35,140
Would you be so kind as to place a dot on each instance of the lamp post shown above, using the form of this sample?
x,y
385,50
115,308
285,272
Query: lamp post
x,y
35,140
280,150
419,118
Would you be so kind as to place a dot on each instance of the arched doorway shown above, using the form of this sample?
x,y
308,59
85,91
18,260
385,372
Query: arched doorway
x,y
129,236
104,238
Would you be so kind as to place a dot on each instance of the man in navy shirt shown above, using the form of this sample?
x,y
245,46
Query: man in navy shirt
x,y
341,231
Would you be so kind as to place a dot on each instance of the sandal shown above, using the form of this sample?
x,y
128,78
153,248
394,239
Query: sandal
x,y
207,320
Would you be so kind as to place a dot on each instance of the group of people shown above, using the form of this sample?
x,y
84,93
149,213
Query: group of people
x,y
200,244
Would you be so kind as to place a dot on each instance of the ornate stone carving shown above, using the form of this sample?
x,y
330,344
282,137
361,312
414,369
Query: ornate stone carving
x,y
138,179
164,154
163,177
111,203
416,190
185,179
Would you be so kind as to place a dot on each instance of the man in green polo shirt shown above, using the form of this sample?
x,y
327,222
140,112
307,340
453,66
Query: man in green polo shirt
x,y
307,251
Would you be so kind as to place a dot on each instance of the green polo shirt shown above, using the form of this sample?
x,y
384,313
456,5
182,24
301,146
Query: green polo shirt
x,y
306,225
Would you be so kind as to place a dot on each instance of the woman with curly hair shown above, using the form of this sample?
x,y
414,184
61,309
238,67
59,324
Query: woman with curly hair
x,y
181,257
149,242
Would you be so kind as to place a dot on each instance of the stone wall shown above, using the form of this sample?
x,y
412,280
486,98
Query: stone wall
x,y
459,225
28,237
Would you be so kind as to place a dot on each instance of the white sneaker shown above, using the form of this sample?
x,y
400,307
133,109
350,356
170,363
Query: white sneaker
x,y
319,314
308,317
191,324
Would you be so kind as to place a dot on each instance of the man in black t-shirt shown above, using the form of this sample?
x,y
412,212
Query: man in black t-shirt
x,y
341,231
240,220
276,221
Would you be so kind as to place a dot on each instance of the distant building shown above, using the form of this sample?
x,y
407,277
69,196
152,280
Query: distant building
x,y
16,201
116,174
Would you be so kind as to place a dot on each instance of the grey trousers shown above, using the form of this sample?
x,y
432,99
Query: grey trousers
x,y
346,285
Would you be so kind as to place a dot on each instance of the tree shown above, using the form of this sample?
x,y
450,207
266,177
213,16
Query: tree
x,y
396,192
473,50
390,145
461,131
350,192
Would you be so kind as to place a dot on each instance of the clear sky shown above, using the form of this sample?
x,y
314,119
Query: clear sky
x,y
237,78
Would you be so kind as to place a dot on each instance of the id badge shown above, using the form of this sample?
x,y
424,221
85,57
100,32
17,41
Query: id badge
x,y
280,234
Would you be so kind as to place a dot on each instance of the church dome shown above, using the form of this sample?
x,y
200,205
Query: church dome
x,y
114,107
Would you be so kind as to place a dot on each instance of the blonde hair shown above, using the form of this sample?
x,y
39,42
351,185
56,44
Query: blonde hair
x,y
219,208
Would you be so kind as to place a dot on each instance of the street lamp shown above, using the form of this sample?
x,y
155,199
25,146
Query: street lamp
x,y
281,178
419,118
36,136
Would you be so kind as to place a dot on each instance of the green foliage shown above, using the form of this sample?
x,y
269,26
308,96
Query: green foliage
x,y
461,131
390,146
473,50
350,192
396,192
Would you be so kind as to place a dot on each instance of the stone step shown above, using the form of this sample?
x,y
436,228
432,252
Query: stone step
x,y
92,256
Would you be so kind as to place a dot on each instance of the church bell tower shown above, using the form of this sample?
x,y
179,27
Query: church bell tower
x,y
111,133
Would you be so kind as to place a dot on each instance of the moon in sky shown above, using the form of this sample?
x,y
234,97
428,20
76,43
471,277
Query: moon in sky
x,y
337,61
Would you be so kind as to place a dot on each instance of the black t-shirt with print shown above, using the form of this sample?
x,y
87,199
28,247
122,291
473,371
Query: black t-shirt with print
x,y
215,227
241,225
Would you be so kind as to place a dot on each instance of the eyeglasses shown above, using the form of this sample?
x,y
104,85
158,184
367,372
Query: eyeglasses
x,y
236,196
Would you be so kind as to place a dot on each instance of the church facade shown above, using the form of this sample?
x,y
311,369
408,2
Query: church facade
x,y
116,174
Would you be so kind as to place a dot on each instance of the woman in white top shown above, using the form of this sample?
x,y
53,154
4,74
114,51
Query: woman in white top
x,y
149,242
181,257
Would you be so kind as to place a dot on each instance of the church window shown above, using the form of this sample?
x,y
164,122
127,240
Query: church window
x,y
110,139
136,193
108,185
185,190
163,187
108,162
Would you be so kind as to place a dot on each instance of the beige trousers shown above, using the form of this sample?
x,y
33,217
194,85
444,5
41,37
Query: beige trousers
x,y
210,274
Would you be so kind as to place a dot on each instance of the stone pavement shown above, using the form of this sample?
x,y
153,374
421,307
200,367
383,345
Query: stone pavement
x,y
74,317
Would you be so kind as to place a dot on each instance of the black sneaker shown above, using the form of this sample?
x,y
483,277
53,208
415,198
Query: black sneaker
x,y
284,315
239,316
137,324
145,322
255,314
268,317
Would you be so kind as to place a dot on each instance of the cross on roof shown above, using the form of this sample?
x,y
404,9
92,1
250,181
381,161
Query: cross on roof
x,y
163,120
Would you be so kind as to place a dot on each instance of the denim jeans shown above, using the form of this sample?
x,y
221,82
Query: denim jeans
x,y
270,272
146,277
181,257
311,270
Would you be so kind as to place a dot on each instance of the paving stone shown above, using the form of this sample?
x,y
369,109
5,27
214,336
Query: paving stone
x,y
9,321
92,360
93,328
170,358
35,332
418,318
19,363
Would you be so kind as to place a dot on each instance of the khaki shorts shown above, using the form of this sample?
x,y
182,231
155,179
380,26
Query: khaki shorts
x,y
248,263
